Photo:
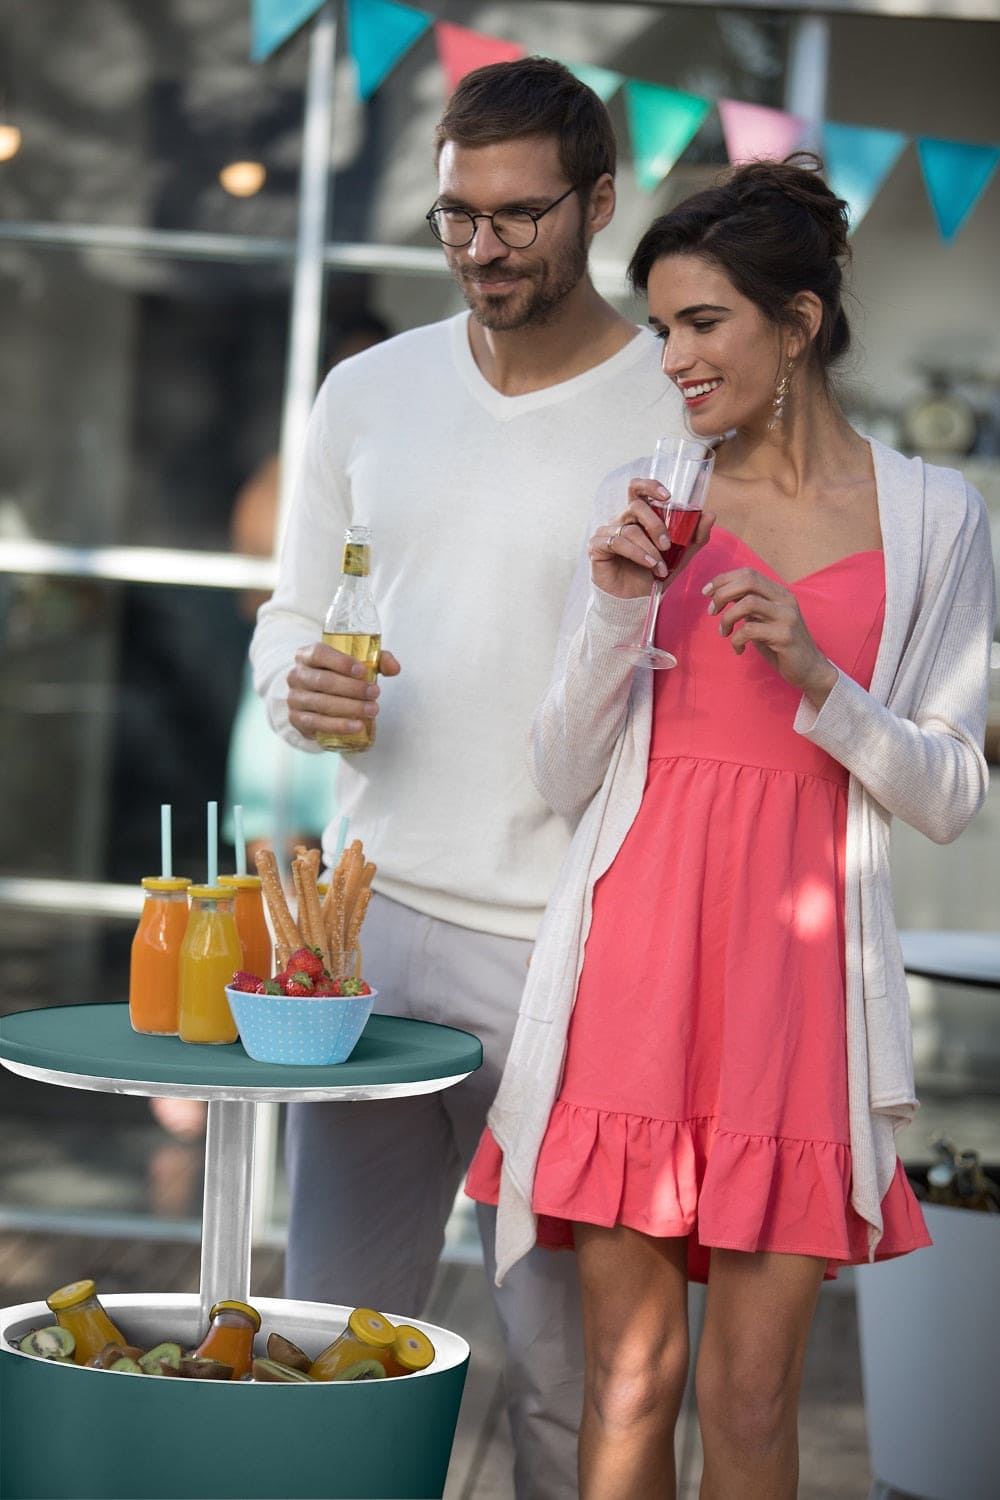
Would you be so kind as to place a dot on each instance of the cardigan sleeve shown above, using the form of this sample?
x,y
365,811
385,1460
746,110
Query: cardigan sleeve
x,y
921,756
584,709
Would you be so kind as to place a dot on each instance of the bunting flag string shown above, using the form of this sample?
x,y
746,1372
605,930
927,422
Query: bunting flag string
x,y
380,32
662,121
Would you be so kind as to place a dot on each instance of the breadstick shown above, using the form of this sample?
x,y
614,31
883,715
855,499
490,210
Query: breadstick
x,y
353,885
357,917
334,913
310,919
285,931
311,857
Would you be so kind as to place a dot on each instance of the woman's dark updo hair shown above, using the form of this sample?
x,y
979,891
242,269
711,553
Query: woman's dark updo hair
x,y
775,229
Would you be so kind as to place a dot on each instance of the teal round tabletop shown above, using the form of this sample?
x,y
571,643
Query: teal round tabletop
x,y
94,1047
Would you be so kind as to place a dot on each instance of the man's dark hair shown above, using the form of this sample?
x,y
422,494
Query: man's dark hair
x,y
532,96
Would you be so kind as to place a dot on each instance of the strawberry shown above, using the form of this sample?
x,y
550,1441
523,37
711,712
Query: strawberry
x,y
297,982
348,988
245,982
269,987
326,988
308,960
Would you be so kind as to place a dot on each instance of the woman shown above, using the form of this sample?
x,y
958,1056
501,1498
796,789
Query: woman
x,y
713,1050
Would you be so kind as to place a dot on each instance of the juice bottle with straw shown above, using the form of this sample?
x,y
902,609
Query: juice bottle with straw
x,y
251,925
152,987
209,955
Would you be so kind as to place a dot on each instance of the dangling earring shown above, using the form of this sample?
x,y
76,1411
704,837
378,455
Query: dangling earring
x,y
780,396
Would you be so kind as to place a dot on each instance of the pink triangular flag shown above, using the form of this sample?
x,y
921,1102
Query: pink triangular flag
x,y
754,132
461,50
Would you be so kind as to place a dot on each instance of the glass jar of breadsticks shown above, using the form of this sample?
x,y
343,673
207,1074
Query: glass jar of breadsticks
x,y
329,923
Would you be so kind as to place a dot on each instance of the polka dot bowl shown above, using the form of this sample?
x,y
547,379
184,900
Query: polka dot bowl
x,y
300,1030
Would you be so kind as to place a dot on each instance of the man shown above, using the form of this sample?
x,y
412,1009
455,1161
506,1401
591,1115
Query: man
x,y
473,448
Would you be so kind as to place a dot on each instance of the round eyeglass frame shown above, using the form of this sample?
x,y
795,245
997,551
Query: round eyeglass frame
x,y
523,213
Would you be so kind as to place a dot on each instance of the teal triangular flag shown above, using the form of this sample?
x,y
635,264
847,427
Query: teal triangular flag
x,y
955,174
379,32
273,21
604,81
662,122
858,160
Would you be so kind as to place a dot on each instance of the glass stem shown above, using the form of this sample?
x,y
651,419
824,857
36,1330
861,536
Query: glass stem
x,y
652,610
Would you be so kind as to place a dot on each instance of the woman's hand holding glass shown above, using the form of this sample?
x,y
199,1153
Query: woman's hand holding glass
x,y
761,612
627,555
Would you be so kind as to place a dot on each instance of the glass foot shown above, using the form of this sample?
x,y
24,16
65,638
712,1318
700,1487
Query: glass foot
x,y
647,656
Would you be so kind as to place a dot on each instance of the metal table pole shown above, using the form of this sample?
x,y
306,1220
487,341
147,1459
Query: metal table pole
x,y
227,1213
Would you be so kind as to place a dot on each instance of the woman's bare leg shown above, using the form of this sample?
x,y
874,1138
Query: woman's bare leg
x,y
757,1318
636,1351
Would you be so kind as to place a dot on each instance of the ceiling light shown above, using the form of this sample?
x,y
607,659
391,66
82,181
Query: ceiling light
x,y
243,178
10,141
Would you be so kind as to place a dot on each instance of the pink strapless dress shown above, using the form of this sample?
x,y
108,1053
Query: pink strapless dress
x,y
705,1085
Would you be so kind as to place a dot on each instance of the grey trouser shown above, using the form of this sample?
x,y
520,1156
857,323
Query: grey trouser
x,y
372,1186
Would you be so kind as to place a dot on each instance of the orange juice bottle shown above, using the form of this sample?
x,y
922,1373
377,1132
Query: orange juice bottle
x,y
230,1336
255,939
411,1350
368,1335
152,985
210,953
77,1308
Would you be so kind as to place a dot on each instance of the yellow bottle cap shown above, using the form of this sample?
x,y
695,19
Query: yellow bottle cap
x,y
210,893
370,1327
412,1349
243,1307
165,882
241,882
70,1295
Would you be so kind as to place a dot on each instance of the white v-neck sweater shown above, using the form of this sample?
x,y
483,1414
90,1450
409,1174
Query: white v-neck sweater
x,y
912,744
479,505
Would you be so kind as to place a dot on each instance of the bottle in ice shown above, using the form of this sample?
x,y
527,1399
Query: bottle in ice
x,y
78,1309
230,1336
360,1351
352,626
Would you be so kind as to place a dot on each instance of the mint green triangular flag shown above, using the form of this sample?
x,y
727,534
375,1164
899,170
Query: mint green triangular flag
x,y
379,32
662,123
604,81
955,174
858,159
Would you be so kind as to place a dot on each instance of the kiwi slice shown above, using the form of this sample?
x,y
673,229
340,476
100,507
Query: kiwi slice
x,y
196,1368
160,1359
271,1370
126,1367
362,1369
284,1352
54,1342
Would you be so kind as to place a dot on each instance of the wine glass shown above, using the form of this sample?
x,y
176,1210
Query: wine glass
x,y
684,468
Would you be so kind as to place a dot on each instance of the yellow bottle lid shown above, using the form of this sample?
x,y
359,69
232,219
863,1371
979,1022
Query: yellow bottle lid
x,y
242,1307
370,1327
241,882
165,882
412,1349
210,893
71,1294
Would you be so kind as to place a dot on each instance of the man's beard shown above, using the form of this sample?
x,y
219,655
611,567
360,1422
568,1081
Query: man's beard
x,y
539,300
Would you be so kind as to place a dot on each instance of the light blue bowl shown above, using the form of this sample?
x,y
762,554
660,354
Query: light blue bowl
x,y
303,1031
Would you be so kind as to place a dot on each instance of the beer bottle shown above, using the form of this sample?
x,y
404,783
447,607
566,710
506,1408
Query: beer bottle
x,y
352,626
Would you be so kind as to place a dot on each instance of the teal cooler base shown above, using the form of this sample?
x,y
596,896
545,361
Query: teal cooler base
x,y
68,1433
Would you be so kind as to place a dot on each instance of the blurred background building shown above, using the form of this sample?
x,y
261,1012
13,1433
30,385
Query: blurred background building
x,y
154,243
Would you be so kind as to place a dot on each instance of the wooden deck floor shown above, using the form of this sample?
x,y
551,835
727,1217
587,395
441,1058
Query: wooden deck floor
x,y
833,1435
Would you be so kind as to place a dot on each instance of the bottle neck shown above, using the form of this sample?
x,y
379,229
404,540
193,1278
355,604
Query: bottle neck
x,y
356,560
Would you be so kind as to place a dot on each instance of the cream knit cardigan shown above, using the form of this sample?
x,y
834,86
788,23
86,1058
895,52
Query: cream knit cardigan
x,y
912,744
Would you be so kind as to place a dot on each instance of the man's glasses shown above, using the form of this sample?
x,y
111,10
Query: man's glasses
x,y
517,228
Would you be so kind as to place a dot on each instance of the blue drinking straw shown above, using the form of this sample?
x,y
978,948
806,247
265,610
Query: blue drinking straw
x,y
341,838
239,839
213,843
166,861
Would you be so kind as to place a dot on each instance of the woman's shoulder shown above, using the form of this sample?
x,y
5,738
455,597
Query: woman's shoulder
x,y
949,500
